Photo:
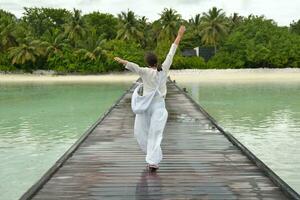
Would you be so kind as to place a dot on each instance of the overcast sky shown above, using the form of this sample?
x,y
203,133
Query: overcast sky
x,y
282,11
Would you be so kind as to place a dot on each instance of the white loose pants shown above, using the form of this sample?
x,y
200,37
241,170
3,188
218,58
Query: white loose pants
x,y
148,130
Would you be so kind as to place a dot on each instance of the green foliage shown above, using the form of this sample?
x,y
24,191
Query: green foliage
x,y
7,30
170,21
128,50
75,29
128,27
181,62
213,27
5,64
27,53
258,42
162,49
192,37
42,20
104,24
223,60
69,61
7,68
4,60
66,41
295,27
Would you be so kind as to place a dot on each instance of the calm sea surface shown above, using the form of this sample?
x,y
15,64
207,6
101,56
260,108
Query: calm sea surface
x,y
265,117
39,122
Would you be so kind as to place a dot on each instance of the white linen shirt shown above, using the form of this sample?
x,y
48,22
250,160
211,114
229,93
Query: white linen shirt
x,y
149,75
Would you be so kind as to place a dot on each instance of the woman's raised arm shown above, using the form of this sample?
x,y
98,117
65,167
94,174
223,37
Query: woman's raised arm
x,y
169,58
179,35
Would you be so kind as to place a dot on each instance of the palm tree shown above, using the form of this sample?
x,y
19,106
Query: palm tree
x,y
234,20
213,26
143,22
169,21
145,28
93,47
26,52
56,43
195,22
7,36
195,25
129,28
75,29
153,34
96,54
295,27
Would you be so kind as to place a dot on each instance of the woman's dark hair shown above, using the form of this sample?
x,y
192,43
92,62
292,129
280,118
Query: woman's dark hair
x,y
151,60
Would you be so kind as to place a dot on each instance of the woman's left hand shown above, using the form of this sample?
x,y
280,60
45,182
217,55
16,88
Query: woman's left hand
x,y
120,60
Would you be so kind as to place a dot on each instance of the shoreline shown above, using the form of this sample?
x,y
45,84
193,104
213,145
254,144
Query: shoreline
x,y
238,75
186,75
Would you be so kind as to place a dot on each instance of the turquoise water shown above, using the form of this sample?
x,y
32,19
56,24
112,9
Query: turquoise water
x,y
39,122
265,117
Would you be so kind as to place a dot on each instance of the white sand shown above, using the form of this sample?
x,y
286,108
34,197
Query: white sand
x,y
237,75
68,78
209,75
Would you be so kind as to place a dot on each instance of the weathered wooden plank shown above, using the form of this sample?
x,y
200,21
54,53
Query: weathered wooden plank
x,y
199,162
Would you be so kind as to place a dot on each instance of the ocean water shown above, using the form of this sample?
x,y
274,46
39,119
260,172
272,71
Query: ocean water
x,y
264,116
39,122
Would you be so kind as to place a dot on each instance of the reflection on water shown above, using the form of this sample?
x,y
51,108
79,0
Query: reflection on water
x,y
39,122
265,117
149,184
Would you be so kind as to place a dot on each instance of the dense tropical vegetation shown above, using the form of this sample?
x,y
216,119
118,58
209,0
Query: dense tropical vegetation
x,y
67,41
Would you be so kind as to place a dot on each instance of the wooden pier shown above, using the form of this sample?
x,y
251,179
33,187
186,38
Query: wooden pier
x,y
200,161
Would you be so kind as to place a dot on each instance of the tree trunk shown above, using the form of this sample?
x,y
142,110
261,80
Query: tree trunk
x,y
215,46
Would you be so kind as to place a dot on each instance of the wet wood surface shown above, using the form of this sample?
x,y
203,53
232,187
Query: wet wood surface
x,y
198,161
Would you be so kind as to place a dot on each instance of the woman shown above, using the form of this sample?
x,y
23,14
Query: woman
x,y
149,126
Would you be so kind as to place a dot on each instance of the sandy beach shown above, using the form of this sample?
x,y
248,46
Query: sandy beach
x,y
119,77
237,75
187,75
